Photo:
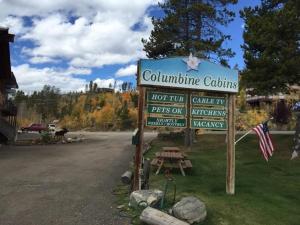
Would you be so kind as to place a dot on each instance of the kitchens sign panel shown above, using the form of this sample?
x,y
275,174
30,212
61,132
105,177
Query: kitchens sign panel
x,y
187,73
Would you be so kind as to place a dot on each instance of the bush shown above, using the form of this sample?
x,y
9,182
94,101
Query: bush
x,y
250,119
46,137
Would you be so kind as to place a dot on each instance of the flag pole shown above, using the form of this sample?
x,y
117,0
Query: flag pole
x,y
248,132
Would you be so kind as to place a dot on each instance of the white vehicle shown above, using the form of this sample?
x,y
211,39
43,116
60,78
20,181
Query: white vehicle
x,y
51,127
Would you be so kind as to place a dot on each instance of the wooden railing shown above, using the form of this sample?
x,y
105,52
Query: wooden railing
x,y
9,109
8,127
8,120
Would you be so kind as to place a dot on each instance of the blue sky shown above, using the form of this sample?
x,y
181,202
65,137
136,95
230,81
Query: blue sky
x,y
67,45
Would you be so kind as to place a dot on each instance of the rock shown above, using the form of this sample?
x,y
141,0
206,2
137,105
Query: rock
x,y
190,209
152,197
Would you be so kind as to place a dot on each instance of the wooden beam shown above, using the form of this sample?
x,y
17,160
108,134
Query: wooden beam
x,y
188,131
230,175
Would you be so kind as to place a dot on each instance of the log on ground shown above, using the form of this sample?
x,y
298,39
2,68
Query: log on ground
x,y
153,216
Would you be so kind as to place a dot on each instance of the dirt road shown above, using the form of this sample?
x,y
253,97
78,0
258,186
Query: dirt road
x,y
67,184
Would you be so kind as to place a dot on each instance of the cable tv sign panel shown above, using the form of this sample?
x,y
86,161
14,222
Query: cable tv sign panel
x,y
187,73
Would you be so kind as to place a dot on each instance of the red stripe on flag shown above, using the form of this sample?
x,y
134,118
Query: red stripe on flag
x,y
270,141
261,144
263,137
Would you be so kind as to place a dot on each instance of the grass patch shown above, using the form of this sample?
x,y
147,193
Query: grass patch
x,y
267,193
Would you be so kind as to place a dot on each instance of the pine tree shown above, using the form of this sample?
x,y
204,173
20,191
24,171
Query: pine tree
x,y
95,86
191,26
271,49
91,86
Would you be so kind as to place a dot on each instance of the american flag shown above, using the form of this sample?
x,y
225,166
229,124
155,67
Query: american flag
x,y
265,142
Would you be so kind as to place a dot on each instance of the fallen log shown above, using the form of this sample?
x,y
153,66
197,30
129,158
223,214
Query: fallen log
x,y
153,216
126,177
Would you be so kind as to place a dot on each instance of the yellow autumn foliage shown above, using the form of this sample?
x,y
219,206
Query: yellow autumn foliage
x,y
250,119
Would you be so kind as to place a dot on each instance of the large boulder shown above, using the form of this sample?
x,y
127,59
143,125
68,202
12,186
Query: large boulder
x,y
190,209
145,198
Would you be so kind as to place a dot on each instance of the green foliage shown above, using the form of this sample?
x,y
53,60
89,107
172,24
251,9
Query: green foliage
x,y
20,97
45,102
46,137
123,114
251,118
271,48
190,26
241,101
135,97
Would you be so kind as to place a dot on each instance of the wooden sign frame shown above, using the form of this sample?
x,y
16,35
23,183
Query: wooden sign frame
x,y
230,137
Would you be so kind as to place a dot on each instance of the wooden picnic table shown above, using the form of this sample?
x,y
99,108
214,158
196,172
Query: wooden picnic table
x,y
170,155
173,159
171,149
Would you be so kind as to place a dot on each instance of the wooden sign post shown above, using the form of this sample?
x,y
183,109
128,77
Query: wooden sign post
x,y
139,146
173,100
230,173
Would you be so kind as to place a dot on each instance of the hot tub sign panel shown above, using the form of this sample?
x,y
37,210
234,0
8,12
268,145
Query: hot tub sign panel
x,y
188,73
154,96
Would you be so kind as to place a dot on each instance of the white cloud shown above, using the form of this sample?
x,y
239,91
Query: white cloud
x,y
101,33
106,40
41,59
110,82
31,78
15,24
76,8
127,71
82,35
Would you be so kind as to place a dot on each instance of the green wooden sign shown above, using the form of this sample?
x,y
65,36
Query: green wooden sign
x,y
166,122
209,124
208,100
153,96
207,112
166,109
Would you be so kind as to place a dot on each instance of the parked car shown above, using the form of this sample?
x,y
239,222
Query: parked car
x,y
34,127
51,127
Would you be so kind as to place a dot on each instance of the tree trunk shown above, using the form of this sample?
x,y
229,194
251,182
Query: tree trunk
x,y
297,135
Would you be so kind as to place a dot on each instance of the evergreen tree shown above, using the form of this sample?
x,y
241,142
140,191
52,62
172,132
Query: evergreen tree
x,y
191,26
91,86
46,102
271,49
123,114
95,86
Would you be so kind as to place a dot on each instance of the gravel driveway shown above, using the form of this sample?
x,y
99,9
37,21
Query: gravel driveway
x,y
64,184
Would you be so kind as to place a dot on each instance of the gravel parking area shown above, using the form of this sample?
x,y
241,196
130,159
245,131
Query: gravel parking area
x,y
64,184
